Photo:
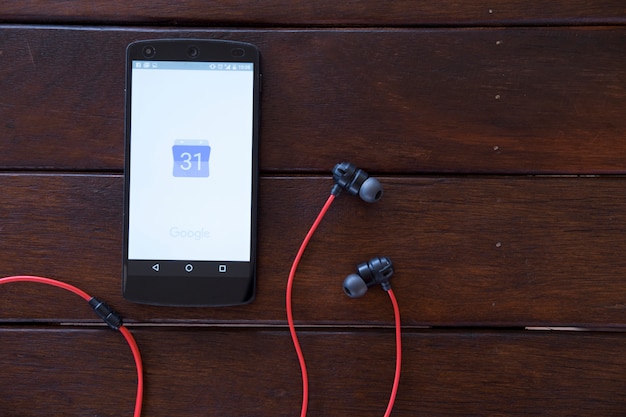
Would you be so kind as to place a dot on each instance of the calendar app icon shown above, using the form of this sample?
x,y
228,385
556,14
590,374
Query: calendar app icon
x,y
191,158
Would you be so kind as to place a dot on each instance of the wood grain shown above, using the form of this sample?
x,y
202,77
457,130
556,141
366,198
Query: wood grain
x,y
497,130
467,251
243,372
402,101
307,13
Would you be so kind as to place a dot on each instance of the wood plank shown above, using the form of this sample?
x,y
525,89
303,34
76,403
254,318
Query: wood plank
x,y
244,372
500,100
283,12
474,251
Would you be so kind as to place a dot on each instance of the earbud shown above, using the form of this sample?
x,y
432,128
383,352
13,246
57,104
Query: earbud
x,y
356,181
375,271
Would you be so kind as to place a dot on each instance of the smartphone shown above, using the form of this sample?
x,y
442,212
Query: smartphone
x,y
191,172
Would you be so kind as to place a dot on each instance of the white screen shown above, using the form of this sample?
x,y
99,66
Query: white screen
x,y
190,173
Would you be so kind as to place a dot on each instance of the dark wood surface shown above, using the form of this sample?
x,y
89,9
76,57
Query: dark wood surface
x,y
497,130
505,251
327,13
403,101
244,372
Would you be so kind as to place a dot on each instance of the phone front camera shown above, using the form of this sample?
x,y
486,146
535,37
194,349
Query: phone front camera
x,y
149,51
193,52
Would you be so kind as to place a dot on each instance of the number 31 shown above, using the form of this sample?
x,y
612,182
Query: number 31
x,y
186,161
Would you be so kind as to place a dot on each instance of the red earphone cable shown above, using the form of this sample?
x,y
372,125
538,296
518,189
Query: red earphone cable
x,y
137,356
41,280
292,327
396,379
123,330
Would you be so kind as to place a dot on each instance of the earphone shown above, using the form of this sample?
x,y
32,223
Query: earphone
x,y
356,182
377,270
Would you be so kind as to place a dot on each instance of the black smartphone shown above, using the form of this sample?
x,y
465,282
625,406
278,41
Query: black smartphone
x,y
191,172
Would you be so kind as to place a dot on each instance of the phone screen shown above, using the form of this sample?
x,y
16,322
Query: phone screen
x,y
190,175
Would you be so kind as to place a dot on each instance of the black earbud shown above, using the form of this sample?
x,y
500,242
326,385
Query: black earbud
x,y
356,181
375,271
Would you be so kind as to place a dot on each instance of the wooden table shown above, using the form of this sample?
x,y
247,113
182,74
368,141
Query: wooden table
x,y
498,130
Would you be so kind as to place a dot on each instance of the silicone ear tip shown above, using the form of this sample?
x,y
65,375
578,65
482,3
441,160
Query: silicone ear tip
x,y
354,286
371,190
